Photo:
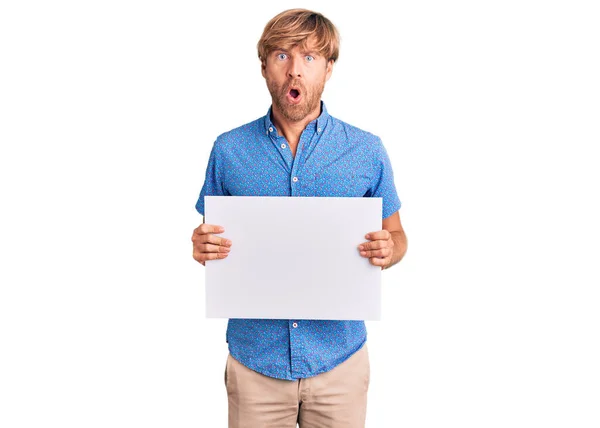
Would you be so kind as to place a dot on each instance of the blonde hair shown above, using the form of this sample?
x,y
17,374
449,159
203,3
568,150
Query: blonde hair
x,y
293,28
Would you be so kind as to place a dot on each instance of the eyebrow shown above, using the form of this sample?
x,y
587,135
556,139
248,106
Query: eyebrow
x,y
308,52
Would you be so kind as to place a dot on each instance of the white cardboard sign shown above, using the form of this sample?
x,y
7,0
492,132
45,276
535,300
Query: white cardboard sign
x,y
294,258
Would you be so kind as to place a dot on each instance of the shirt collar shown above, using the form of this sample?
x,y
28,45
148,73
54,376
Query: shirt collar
x,y
319,123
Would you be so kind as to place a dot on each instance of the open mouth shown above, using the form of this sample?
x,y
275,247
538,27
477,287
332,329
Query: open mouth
x,y
294,93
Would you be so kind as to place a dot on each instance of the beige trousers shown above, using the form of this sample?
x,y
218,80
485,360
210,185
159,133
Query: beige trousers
x,y
337,398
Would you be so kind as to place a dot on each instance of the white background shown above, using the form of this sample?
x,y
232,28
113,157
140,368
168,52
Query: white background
x,y
489,112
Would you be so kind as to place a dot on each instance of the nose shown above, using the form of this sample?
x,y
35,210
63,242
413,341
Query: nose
x,y
294,67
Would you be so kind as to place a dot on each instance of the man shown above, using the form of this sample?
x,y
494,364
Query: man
x,y
311,372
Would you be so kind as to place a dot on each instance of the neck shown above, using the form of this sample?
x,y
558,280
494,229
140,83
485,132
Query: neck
x,y
292,130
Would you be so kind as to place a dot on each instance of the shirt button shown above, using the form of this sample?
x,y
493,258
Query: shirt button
x,y
295,325
295,179
318,129
283,146
271,129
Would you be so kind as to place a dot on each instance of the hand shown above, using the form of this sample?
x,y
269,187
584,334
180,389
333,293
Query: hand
x,y
379,249
208,246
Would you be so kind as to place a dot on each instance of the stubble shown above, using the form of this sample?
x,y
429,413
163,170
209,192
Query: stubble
x,y
311,98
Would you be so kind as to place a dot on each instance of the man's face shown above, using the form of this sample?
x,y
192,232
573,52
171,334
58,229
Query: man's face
x,y
296,79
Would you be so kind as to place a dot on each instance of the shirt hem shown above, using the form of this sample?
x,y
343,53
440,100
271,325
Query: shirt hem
x,y
302,375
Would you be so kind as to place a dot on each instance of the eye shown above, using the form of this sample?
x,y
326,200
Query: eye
x,y
309,58
281,56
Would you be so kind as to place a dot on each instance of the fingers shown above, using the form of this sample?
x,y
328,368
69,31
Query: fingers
x,y
376,245
384,252
213,256
376,249
203,234
203,257
379,249
381,257
211,239
375,261
379,235
208,246
204,229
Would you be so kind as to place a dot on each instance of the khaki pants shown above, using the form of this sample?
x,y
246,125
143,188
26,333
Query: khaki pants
x,y
337,398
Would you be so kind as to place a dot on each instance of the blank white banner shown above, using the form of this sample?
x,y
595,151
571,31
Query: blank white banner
x,y
294,258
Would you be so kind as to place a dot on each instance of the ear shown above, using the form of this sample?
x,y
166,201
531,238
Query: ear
x,y
263,68
329,69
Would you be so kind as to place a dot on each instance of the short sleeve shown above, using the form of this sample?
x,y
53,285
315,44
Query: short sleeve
x,y
213,182
383,185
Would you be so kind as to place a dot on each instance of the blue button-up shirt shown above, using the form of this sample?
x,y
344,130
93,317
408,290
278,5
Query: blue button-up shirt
x,y
332,158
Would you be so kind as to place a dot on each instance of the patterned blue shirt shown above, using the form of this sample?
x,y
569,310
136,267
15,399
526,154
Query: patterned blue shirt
x,y
332,159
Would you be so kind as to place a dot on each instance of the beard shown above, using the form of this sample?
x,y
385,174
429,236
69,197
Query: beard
x,y
311,99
